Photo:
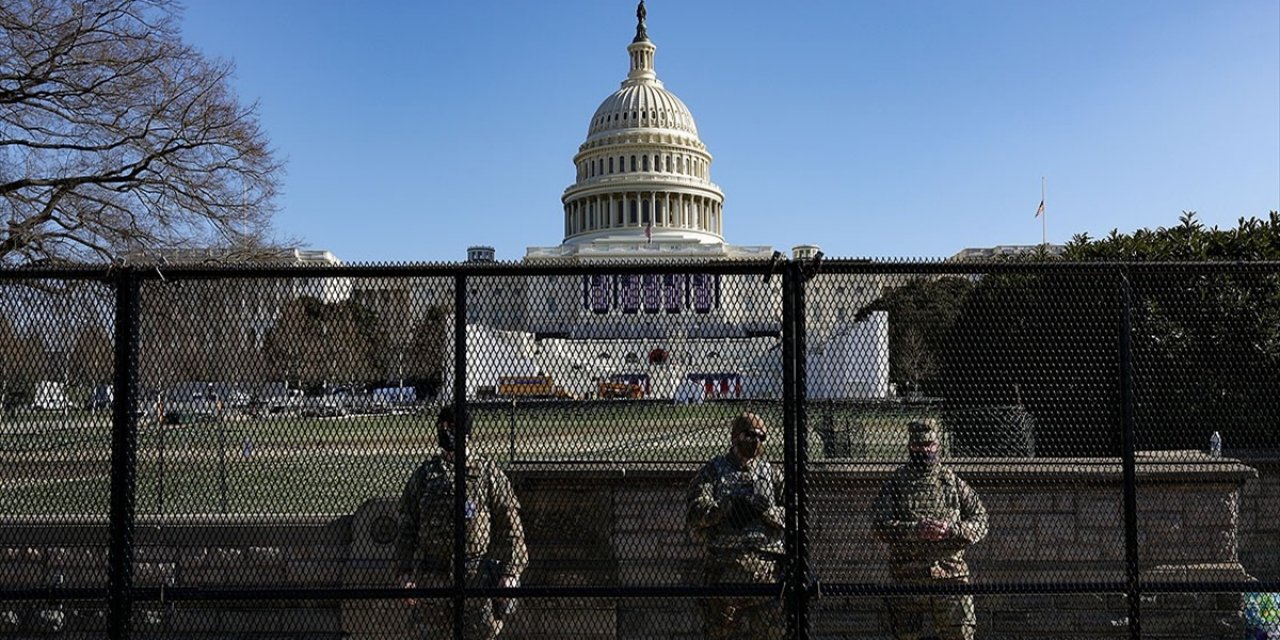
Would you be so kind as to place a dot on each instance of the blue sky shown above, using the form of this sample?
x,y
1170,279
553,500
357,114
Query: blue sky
x,y
873,129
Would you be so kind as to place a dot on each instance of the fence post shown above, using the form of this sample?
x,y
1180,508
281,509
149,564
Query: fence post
x,y
461,430
801,579
795,587
1133,590
124,457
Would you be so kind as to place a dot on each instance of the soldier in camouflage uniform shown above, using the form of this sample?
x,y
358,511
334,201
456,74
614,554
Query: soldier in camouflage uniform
x,y
928,516
495,548
735,514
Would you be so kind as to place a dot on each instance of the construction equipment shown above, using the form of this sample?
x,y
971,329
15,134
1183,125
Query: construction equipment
x,y
541,386
608,389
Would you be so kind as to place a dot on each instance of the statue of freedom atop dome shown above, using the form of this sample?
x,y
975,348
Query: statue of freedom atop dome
x,y
641,33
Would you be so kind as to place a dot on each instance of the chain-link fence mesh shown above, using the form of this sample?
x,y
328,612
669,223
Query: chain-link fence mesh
x,y
783,449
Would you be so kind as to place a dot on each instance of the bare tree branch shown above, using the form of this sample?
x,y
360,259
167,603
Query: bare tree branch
x,y
117,138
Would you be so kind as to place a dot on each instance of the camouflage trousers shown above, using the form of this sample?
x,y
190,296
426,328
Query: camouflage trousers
x,y
926,617
742,618
434,616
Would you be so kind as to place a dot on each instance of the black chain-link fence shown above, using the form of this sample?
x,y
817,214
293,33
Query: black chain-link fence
x,y
799,449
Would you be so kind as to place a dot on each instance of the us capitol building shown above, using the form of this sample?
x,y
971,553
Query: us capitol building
x,y
643,193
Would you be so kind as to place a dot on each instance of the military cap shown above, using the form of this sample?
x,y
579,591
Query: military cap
x,y
749,422
922,431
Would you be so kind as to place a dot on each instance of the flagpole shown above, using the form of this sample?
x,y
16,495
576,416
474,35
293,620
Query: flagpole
x,y
1044,215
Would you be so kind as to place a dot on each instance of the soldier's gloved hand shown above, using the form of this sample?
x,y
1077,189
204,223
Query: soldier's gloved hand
x,y
760,502
503,607
933,530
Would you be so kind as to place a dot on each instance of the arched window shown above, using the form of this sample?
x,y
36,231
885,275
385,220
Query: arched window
x,y
646,163
633,163
610,165
668,164
644,211
633,218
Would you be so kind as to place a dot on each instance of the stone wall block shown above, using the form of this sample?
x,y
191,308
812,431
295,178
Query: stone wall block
x,y
647,516
1160,531
313,572
23,574
1216,507
1156,501
658,619
1097,510
631,572
1211,544
1046,552
1102,544
1055,529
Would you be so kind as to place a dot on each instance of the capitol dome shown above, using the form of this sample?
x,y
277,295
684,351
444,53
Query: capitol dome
x,y
642,104
643,175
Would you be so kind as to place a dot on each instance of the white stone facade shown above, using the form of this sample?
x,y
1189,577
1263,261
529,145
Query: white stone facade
x,y
643,194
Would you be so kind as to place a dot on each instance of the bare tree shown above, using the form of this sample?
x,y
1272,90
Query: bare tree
x,y
116,138
12,361
428,350
91,360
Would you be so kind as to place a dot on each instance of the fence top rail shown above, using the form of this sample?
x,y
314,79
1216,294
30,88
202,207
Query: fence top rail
x,y
162,272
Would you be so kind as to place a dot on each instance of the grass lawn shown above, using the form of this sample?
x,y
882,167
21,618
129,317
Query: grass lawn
x,y
291,464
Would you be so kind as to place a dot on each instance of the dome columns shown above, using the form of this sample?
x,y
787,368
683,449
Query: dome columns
x,y
632,210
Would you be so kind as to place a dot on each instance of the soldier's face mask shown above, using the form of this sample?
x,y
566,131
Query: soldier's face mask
x,y
748,444
444,436
924,455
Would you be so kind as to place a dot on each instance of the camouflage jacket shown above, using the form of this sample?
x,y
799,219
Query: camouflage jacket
x,y
425,525
724,513
912,494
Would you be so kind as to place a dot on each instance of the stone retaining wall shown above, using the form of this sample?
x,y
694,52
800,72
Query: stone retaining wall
x,y
1051,522
1260,519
